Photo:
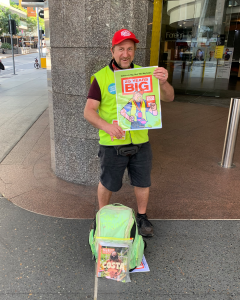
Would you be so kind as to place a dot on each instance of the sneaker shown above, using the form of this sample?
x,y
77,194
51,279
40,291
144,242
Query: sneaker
x,y
145,227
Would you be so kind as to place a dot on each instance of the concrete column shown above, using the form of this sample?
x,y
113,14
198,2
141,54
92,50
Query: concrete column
x,y
80,40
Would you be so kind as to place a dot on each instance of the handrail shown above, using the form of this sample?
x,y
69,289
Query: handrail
x,y
231,134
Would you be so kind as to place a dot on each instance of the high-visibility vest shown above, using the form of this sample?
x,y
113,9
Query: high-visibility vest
x,y
108,110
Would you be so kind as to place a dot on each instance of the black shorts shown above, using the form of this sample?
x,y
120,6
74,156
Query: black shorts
x,y
113,166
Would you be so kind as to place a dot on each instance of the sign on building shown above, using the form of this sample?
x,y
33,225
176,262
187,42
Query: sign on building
x,y
31,11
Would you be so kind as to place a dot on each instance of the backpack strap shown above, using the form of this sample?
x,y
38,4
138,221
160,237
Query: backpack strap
x,y
135,222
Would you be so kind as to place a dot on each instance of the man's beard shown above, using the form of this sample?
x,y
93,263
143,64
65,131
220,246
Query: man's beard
x,y
114,258
126,67
118,65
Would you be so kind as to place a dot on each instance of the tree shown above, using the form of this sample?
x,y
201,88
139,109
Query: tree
x,y
4,17
31,23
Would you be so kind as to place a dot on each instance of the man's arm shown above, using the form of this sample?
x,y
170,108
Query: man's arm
x,y
167,91
91,115
126,108
123,112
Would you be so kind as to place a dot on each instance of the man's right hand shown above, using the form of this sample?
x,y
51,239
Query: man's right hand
x,y
114,130
91,115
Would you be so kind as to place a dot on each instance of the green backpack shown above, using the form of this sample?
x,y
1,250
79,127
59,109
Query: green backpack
x,y
117,222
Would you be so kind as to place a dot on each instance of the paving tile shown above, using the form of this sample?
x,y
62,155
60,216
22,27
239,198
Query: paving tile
x,y
187,261
47,257
187,181
43,257
49,202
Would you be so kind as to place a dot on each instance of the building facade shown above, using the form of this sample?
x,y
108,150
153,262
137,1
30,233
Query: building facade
x,y
200,46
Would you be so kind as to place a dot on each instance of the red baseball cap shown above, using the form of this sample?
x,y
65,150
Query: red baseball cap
x,y
123,34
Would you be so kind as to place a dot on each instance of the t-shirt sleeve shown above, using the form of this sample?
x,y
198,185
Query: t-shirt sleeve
x,y
128,106
94,91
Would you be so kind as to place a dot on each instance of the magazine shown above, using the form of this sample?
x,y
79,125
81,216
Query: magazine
x,y
113,261
143,266
138,99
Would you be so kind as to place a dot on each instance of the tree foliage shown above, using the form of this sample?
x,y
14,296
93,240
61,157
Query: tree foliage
x,y
13,4
6,46
31,23
4,17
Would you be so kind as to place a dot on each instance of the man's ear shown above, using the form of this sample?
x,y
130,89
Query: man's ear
x,y
112,50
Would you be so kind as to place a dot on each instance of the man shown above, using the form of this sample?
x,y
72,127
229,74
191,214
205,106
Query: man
x,y
102,98
211,56
115,270
199,55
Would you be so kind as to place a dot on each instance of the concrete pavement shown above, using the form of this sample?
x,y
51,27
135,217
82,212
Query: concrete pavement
x,y
23,100
194,205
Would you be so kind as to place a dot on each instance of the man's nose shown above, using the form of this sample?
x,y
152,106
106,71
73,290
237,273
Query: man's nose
x,y
125,53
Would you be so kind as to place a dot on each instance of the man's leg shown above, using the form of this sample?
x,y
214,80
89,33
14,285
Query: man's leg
x,y
104,195
142,195
145,227
112,170
139,170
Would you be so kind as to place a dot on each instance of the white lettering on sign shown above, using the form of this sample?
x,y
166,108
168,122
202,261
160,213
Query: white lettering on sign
x,y
150,98
139,83
174,36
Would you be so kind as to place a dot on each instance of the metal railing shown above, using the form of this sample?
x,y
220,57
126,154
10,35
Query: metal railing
x,y
231,134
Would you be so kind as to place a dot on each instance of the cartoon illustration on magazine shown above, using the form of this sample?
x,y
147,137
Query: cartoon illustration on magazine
x,y
138,99
137,110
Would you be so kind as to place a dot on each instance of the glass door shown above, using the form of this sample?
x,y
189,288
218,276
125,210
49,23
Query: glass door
x,y
198,46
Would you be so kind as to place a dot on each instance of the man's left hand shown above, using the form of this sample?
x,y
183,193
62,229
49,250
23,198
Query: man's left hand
x,y
161,74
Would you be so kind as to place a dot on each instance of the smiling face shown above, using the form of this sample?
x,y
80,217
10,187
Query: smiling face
x,y
123,53
114,255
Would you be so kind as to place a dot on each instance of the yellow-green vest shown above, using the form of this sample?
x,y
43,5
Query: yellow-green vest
x,y
108,110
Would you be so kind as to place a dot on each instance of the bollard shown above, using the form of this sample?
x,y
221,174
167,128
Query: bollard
x,y
231,133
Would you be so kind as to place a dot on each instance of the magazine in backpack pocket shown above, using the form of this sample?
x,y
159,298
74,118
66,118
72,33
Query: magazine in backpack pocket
x,y
113,259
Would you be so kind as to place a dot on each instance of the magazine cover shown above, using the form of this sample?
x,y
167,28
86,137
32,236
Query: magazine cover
x,y
138,99
113,262
143,266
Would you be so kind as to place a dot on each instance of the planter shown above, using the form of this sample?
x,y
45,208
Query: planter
x,y
7,51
